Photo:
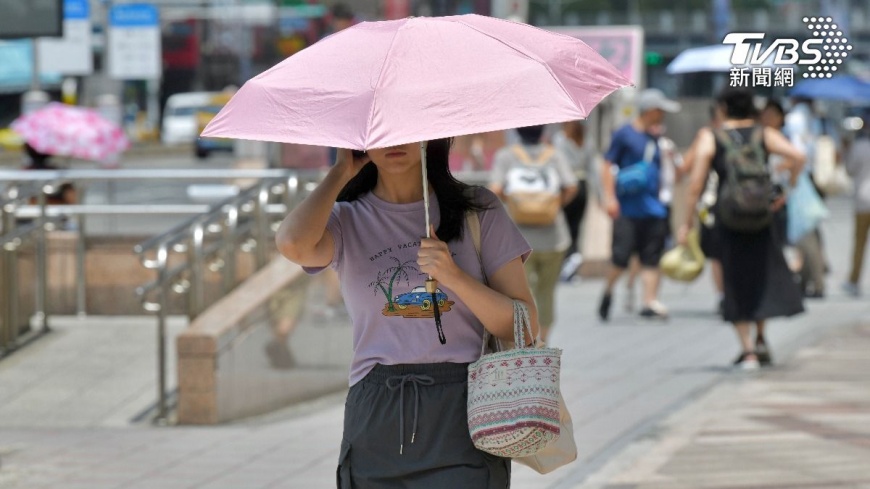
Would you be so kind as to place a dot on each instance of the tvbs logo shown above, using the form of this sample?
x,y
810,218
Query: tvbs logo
x,y
785,51
821,53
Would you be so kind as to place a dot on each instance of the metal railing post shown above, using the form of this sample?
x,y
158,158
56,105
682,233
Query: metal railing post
x,y
9,279
196,294
262,224
292,191
231,224
42,265
162,260
81,250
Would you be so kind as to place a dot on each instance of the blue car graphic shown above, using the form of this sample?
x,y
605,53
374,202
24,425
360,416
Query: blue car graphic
x,y
419,297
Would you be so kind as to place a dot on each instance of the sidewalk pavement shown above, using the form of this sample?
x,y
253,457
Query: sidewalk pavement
x,y
619,379
803,425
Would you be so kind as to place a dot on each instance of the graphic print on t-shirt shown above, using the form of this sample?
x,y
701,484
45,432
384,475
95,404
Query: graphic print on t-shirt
x,y
415,303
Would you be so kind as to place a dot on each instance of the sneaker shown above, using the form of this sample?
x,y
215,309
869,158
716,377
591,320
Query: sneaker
x,y
570,267
654,310
747,361
604,307
852,289
763,355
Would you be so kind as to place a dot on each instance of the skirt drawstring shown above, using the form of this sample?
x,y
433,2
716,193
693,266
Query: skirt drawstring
x,y
398,382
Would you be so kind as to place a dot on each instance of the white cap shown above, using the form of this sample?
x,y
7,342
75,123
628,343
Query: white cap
x,y
653,98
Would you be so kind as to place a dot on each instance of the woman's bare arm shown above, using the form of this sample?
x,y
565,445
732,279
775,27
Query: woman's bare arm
x,y
705,148
302,236
493,305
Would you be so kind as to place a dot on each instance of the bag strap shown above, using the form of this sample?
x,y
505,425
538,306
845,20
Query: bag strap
x,y
731,150
542,158
522,321
649,151
472,220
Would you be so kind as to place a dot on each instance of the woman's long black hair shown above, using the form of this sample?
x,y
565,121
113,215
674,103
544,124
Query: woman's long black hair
x,y
455,198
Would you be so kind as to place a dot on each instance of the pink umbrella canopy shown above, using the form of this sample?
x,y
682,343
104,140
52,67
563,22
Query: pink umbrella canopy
x,y
64,130
381,84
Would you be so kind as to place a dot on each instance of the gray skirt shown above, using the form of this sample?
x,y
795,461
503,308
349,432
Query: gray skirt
x,y
406,426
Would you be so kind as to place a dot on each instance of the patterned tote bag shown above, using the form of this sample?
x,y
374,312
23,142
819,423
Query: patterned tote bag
x,y
513,395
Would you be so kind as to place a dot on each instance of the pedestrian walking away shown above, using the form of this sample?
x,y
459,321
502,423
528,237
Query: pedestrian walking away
x,y
757,282
630,181
858,166
805,130
571,142
535,181
709,232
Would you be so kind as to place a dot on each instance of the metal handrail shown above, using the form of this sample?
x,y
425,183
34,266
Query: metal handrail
x,y
224,220
208,240
9,264
80,175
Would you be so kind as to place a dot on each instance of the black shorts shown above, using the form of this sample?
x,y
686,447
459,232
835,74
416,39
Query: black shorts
x,y
644,236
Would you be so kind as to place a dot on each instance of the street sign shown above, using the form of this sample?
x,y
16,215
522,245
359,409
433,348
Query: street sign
x,y
71,54
134,42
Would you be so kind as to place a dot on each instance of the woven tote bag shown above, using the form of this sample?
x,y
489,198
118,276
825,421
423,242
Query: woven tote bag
x,y
513,395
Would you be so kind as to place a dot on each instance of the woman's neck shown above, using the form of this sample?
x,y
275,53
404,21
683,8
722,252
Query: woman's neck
x,y
399,189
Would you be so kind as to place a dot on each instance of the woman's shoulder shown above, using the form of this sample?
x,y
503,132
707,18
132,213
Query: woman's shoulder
x,y
483,197
349,207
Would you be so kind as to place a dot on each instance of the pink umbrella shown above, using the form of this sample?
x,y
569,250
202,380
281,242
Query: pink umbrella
x,y
64,130
380,84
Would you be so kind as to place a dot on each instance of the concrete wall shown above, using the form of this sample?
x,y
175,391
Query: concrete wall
x,y
233,364
112,273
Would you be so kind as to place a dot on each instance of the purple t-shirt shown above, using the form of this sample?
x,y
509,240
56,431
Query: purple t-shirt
x,y
376,245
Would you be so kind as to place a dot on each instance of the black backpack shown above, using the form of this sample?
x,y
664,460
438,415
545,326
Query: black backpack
x,y
745,196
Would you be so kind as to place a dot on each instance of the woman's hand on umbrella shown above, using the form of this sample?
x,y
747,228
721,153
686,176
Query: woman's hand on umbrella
x,y
435,260
348,164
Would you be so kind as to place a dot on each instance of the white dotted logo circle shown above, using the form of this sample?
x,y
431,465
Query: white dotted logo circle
x,y
835,46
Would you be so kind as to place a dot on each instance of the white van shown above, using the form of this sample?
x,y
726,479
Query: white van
x,y
179,116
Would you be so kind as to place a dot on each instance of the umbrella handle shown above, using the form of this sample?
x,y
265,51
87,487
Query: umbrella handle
x,y
431,283
424,166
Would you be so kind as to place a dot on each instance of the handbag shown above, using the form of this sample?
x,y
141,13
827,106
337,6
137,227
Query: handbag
x,y
684,262
559,451
805,210
828,174
639,178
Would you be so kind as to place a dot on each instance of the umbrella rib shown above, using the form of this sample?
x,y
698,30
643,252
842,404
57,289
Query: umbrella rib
x,y
533,58
378,84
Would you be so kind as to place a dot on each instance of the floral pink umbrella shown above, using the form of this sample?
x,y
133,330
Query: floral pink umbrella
x,y
63,130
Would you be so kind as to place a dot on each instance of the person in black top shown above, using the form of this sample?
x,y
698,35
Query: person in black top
x,y
758,283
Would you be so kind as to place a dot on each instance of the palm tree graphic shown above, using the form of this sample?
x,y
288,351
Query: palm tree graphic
x,y
395,273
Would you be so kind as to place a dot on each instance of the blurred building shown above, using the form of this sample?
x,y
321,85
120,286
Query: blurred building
x,y
671,26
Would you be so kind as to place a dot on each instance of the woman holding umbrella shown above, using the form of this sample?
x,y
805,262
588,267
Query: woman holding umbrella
x,y
372,237
384,87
